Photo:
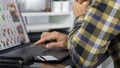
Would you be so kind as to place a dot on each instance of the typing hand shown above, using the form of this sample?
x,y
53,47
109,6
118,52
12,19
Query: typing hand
x,y
53,40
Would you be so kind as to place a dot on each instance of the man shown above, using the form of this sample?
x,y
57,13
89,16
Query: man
x,y
96,31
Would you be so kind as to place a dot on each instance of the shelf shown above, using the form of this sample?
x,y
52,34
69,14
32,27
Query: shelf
x,y
54,20
45,13
44,27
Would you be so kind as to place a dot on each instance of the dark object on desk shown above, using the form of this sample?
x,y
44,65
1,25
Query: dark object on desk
x,y
7,63
24,53
52,56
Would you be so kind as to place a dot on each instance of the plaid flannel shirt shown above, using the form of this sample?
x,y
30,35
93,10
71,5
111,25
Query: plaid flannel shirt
x,y
92,32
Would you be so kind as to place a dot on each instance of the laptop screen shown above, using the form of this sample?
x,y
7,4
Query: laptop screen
x,y
12,30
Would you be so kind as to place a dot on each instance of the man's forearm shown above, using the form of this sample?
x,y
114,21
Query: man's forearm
x,y
87,42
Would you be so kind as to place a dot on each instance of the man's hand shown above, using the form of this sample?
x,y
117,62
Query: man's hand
x,y
60,40
80,1
80,7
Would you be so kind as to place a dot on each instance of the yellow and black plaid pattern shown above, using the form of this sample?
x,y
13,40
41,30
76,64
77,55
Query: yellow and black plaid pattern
x,y
89,38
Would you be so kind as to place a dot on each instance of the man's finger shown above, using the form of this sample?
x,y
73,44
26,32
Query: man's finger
x,y
52,45
45,39
38,42
41,41
59,44
43,45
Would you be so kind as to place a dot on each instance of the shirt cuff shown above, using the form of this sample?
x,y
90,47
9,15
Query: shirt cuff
x,y
79,19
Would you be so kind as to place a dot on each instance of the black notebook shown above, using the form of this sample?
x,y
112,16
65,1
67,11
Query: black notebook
x,y
52,56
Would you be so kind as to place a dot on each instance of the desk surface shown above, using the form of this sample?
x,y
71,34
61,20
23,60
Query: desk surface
x,y
68,62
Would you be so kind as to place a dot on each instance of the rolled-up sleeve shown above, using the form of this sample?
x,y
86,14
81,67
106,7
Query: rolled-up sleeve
x,y
89,38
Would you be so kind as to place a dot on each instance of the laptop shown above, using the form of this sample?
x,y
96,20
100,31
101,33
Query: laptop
x,y
14,41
